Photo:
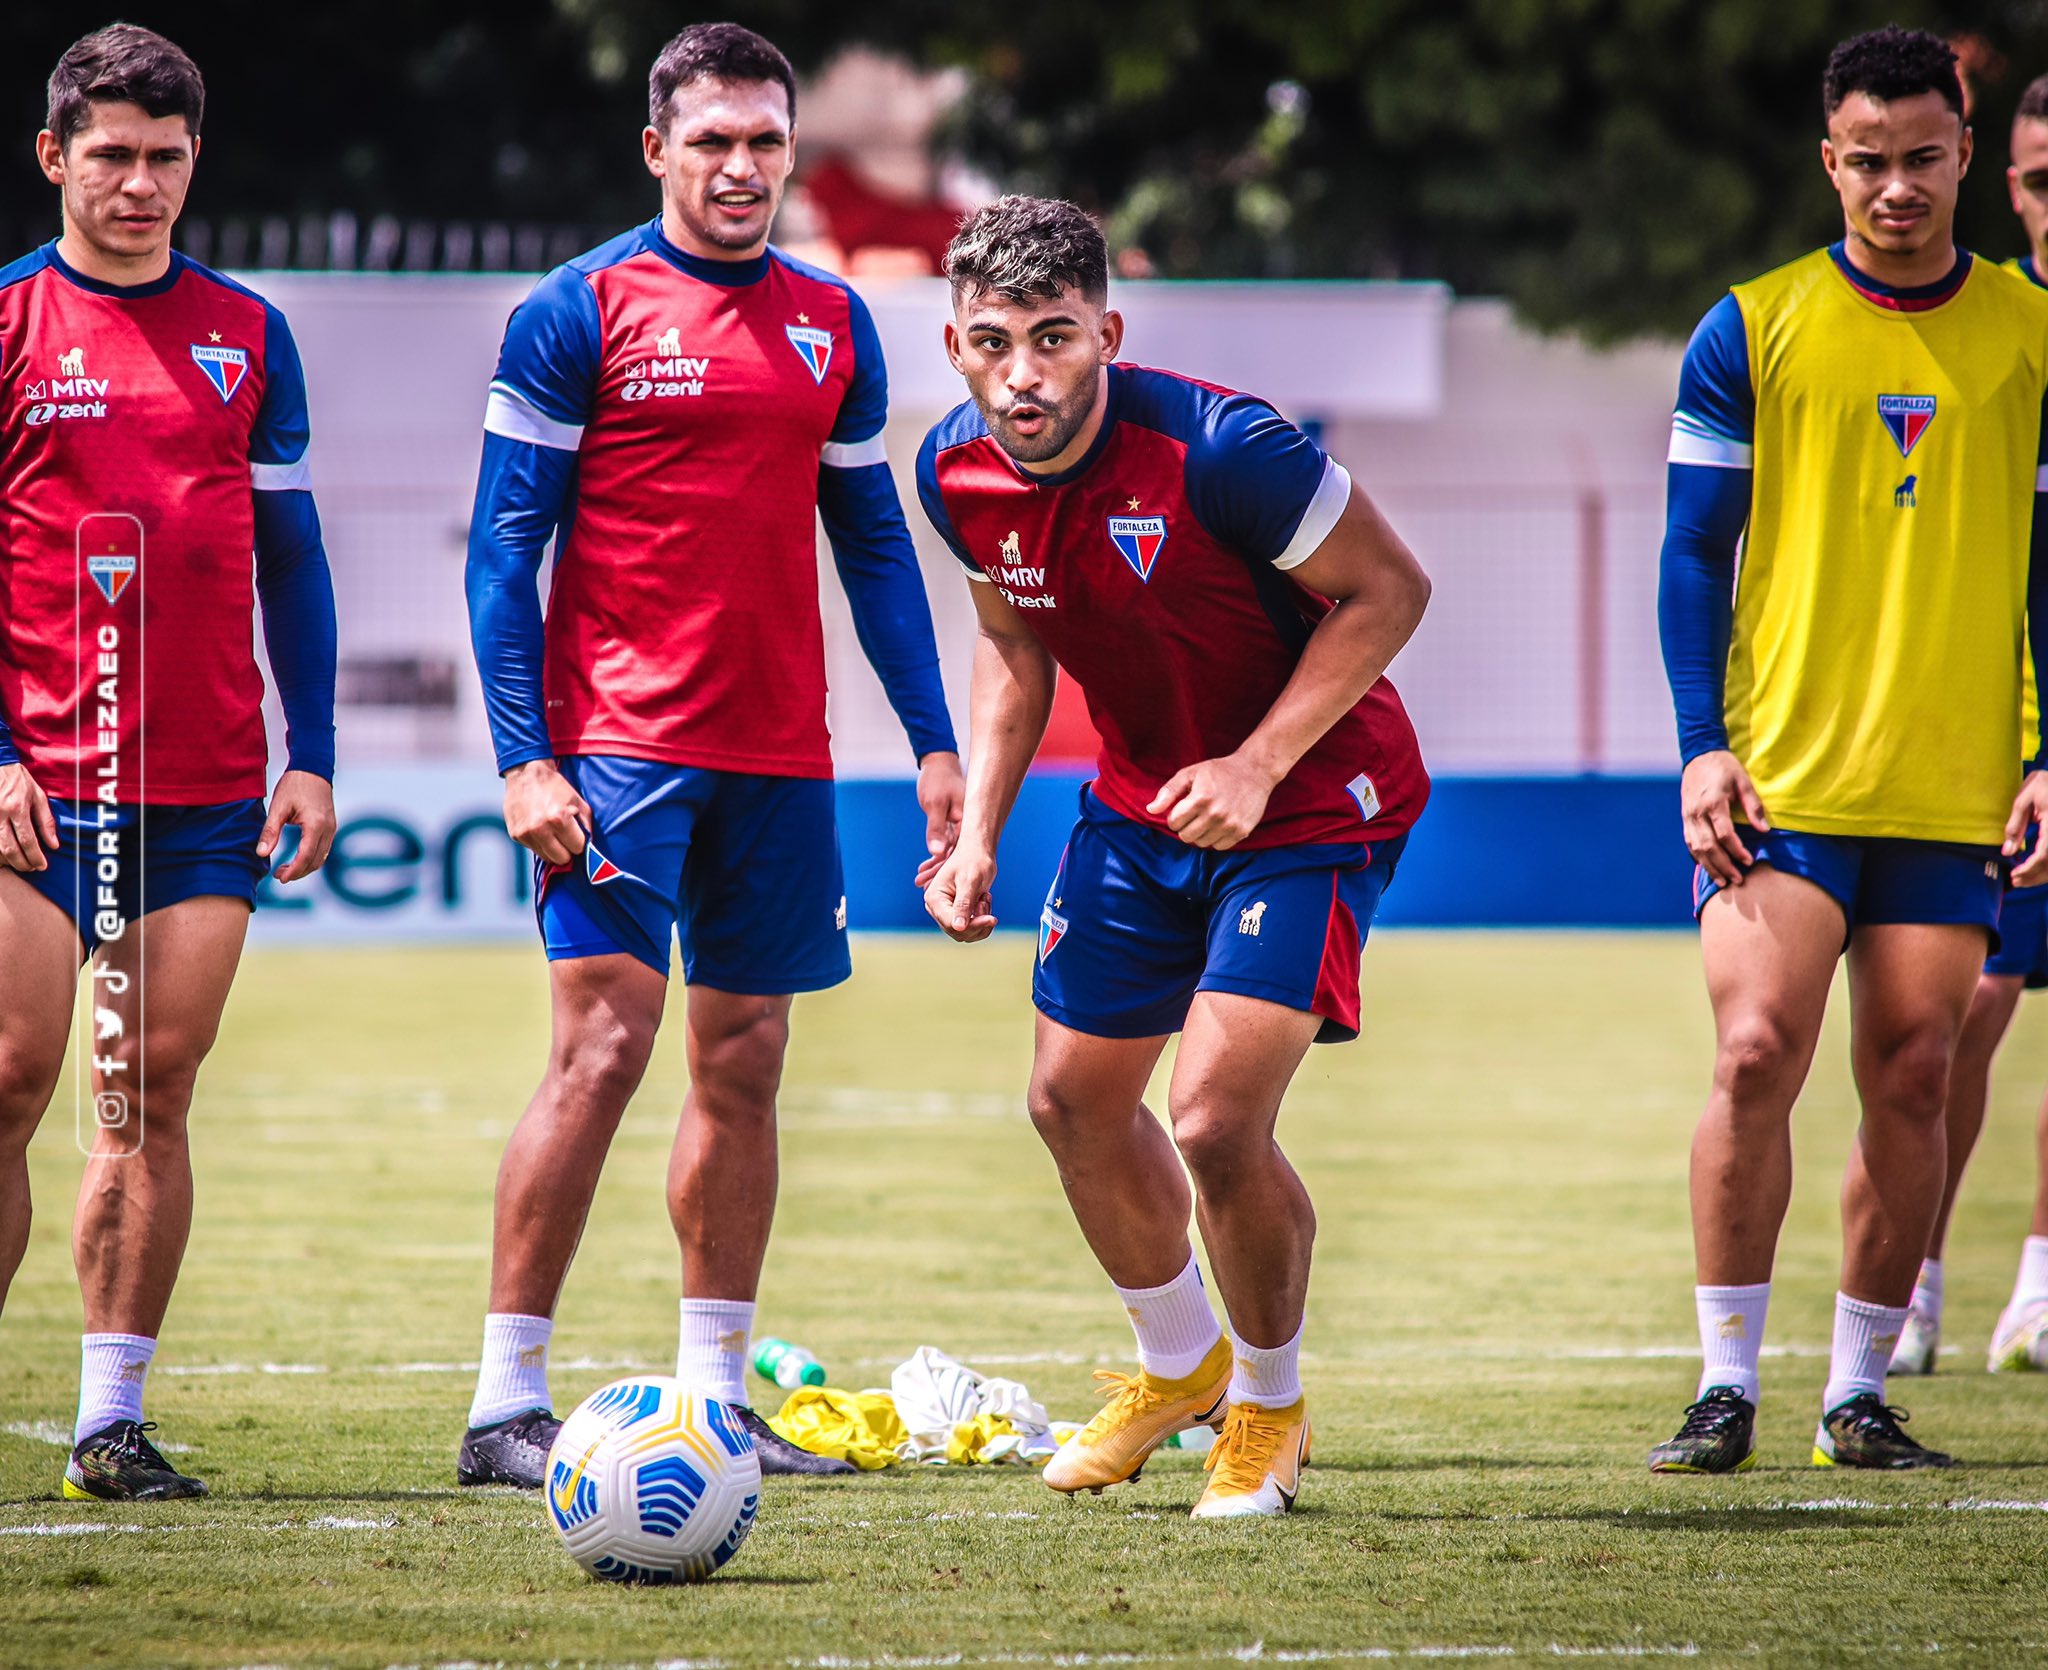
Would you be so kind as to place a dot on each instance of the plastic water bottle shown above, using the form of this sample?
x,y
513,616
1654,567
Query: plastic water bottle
x,y
1197,1440
789,1366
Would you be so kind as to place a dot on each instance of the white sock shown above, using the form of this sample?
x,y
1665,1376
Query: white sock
x,y
712,1354
2032,1284
1865,1337
515,1367
111,1371
1732,1336
1270,1378
1174,1324
1927,1291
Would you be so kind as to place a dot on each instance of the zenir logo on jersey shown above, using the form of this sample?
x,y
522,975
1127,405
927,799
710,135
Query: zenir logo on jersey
x,y
813,346
224,367
1138,539
1905,418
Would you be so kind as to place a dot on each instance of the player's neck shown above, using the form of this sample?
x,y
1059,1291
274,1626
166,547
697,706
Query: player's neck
x,y
1084,437
106,267
679,234
1929,264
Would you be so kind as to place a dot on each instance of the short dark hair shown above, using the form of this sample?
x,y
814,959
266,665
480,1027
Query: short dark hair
x,y
123,64
2033,102
719,52
1028,249
1891,63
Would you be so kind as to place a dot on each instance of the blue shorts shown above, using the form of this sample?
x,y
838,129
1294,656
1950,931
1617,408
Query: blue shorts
x,y
2023,937
743,869
148,857
1878,881
1137,922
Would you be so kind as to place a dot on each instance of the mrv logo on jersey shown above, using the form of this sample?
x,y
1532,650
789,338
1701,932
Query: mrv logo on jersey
x,y
665,379
65,397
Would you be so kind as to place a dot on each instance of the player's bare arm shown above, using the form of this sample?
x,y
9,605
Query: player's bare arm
x,y
27,824
942,797
544,813
1380,592
1012,699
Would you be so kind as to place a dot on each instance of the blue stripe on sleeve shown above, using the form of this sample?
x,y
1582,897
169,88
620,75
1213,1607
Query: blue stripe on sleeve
x,y
283,427
878,567
553,347
524,491
1705,511
866,407
1251,476
297,594
1716,398
934,502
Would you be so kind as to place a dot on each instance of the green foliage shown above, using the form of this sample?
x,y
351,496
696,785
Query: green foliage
x,y
1500,1325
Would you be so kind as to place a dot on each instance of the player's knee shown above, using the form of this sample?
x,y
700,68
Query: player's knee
x,y
740,1064
1058,1114
28,1078
1912,1074
1217,1149
599,1064
1756,1057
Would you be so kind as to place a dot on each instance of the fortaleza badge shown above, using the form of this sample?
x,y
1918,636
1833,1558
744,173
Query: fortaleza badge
x,y
111,572
601,868
1138,539
224,367
1052,928
814,345
1906,417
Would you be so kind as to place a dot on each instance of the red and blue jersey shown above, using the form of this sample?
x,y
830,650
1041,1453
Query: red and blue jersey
x,y
677,425
1156,571
153,483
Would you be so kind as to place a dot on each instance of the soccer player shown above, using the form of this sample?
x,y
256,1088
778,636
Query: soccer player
x,y
2021,960
677,407
1866,422
154,436
1228,602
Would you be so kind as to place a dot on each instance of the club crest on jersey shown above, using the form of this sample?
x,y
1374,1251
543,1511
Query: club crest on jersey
x,y
1052,928
1138,539
1906,417
111,572
224,367
601,869
813,346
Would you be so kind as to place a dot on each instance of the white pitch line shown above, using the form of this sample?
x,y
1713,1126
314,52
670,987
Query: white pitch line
x,y
56,1432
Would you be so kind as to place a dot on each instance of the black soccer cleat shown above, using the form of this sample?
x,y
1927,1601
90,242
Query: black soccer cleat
x,y
118,1463
1719,1436
512,1451
779,1455
1865,1431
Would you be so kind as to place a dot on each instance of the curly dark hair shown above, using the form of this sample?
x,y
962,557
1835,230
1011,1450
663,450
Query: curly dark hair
x,y
123,64
2033,102
716,51
1028,249
1891,63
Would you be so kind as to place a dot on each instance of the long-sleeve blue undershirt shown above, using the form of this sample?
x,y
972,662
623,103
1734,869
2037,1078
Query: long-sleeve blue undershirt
x,y
296,591
523,493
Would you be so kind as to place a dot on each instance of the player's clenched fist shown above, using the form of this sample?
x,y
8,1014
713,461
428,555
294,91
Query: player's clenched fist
x,y
27,824
957,896
1215,803
544,813
1714,786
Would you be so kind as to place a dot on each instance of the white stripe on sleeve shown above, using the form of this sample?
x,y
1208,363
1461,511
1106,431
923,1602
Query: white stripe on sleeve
x,y
2041,479
853,455
511,414
1692,442
281,478
1333,493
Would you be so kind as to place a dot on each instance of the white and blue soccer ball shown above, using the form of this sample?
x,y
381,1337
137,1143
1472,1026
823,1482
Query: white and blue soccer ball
x,y
651,1482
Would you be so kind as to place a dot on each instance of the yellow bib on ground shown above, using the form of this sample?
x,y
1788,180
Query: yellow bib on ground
x,y
1874,678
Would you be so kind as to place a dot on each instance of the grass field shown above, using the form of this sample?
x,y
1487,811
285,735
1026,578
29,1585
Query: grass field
x,y
1500,1324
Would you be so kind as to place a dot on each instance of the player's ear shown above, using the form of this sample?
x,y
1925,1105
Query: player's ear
x,y
1827,161
1112,335
651,151
50,157
1964,151
953,351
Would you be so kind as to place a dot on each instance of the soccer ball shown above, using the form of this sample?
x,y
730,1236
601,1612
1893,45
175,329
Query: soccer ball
x,y
651,1482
